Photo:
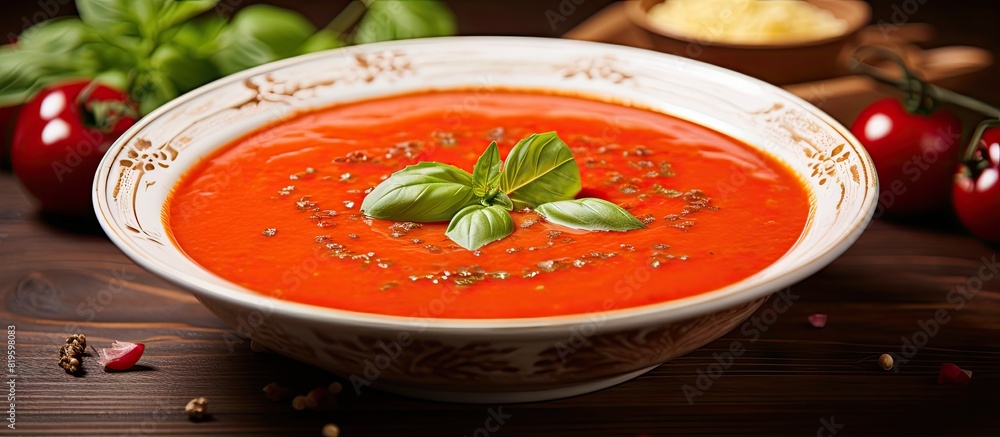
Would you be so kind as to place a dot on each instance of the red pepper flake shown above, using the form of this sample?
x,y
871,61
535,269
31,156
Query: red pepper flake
x,y
817,320
275,392
953,374
121,355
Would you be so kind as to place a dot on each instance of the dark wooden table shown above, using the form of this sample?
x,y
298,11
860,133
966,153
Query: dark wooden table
x,y
59,276
794,379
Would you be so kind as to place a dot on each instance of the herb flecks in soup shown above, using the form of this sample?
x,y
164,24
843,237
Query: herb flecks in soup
x,y
279,211
540,172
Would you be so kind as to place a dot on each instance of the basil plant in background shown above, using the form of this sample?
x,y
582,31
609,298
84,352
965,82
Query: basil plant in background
x,y
155,50
540,172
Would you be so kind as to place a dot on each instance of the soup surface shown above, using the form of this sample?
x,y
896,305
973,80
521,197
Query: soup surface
x,y
278,210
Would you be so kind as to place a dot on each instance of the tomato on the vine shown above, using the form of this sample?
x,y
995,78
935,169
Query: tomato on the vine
x,y
914,155
976,192
59,140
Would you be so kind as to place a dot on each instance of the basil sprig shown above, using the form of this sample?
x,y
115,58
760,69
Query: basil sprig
x,y
540,172
157,49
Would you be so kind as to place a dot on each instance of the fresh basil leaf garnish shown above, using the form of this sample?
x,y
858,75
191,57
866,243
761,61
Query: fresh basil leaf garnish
x,y
540,169
425,192
539,172
486,172
589,214
476,226
501,199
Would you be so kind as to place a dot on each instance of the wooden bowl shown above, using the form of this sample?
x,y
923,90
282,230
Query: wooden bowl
x,y
777,63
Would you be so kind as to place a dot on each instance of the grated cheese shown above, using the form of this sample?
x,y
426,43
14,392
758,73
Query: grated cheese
x,y
746,21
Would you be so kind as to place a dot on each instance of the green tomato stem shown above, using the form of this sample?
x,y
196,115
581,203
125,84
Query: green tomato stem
x,y
921,96
969,154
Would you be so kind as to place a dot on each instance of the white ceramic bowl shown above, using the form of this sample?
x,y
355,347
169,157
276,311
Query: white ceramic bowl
x,y
493,360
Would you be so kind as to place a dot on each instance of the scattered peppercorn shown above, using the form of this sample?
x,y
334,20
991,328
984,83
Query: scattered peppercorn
x,y
331,430
72,365
197,408
70,350
885,362
79,340
300,403
71,353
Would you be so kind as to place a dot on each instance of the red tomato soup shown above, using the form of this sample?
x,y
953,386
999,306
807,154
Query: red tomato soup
x,y
278,211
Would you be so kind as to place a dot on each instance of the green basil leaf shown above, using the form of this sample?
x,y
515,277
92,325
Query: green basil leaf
x,y
486,172
501,199
145,18
116,79
388,20
425,192
152,89
109,57
113,17
185,70
200,36
260,34
589,214
57,35
24,72
174,12
476,226
324,39
540,169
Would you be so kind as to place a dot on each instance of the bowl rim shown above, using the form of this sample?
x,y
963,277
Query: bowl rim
x,y
621,318
638,16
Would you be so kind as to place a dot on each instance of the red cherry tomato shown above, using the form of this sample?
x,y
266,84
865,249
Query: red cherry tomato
x,y
914,155
976,192
59,140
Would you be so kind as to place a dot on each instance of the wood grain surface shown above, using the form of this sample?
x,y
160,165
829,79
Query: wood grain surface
x,y
791,379
59,276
